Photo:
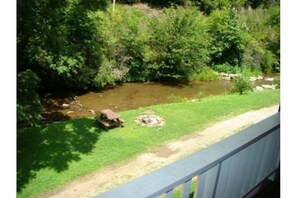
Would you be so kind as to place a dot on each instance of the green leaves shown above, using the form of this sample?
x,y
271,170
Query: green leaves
x,y
57,39
242,84
228,36
179,42
28,103
124,43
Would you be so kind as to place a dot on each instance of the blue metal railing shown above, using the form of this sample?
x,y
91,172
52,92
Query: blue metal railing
x,y
229,168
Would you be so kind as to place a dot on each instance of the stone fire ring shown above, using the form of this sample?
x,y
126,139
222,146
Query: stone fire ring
x,y
150,120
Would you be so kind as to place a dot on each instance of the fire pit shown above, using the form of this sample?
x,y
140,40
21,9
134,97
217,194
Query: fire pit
x,y
150,120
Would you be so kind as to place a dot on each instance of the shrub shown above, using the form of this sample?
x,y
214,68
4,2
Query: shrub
x,y
199,95
226,68
172,99
277,81
248,71
207,74
241,84
270,61
105,75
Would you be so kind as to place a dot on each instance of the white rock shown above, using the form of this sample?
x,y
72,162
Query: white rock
x,y
268,86
92,111
253,78
269,79
226,78
65,105
222,74
258,88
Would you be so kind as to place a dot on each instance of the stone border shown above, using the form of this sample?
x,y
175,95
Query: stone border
x,y
149,119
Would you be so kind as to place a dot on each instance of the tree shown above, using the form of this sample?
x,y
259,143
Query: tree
x,y
28,102
228,37
263,48
209,6
56,39
125,38
179,44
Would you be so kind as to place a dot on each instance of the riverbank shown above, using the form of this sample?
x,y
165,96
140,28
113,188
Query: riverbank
x,y
52,155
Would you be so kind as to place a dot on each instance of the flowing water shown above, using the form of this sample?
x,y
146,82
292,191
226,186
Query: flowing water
x,y
125,96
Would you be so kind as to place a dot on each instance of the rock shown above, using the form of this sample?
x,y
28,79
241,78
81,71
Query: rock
x,y
269,79
226,78
92,111
65,105
260,78
150,120
69,112
233,75
268,86
222,74
258,88
253,78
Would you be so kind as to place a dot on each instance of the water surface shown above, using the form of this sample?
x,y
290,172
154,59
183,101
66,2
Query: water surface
x,y
126,96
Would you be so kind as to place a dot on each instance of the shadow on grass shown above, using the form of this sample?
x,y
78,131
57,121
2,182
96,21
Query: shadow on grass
x,y
53,147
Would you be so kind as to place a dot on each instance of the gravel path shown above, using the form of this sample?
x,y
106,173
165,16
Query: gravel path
x,y
103,180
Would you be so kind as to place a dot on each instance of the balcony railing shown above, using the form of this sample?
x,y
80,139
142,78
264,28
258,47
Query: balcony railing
x,y
229,168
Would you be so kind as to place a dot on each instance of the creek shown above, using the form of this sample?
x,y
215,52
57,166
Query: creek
x,y
125,96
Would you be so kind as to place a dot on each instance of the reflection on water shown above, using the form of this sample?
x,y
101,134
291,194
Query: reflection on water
x,y
126,96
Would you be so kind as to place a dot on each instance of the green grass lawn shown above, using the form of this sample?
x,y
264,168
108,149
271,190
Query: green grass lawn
x,y
51,155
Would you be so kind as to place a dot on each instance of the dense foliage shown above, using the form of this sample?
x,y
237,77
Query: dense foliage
x,y
28,107
56,39
179,44
228,37
78,44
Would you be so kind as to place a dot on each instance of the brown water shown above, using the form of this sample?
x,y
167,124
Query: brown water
x,y
126,96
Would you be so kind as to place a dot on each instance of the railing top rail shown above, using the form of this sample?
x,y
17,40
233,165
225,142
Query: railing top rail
x,y
172,175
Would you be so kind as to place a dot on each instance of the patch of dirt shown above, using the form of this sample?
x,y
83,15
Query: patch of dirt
x,y
108,178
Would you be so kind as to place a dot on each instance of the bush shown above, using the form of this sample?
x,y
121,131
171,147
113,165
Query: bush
x,y
207,74
277,81
174,99
226,68
248,71
105,75
270,61
179,44
241,84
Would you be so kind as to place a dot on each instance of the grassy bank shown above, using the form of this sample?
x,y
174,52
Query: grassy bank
x,y
54,154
